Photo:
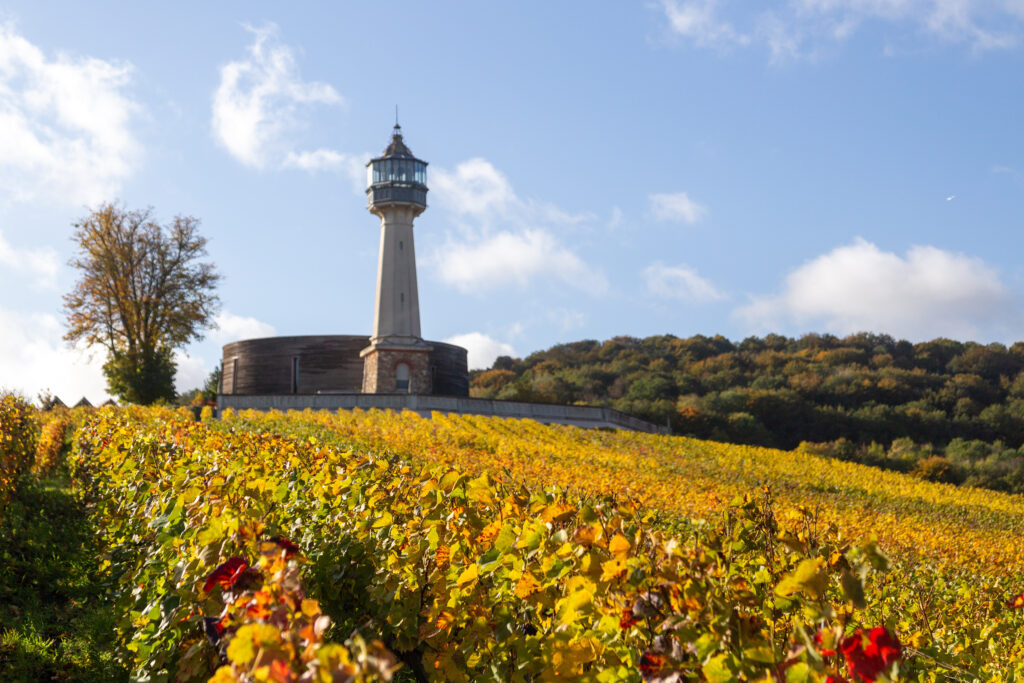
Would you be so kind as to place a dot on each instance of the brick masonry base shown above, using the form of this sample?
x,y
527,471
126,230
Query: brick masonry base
x,y
380,370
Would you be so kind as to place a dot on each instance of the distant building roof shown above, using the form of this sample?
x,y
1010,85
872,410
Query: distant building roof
x,y
53,402
83,403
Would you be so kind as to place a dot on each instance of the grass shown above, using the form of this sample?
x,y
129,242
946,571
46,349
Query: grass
x,y
56,621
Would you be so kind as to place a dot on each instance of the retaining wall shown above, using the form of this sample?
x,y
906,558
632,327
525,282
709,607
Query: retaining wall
x,y
580,416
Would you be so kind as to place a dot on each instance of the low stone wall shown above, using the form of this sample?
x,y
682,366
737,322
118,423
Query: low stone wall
x,y
580,416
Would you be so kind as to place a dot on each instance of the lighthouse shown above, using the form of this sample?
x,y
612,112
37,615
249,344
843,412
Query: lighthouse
x,y
397,359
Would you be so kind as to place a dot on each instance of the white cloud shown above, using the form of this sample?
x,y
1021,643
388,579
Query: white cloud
x,y
676,206
231,327
698,20
39,264
353,166
478,191
317,160
679,282
482,349
503,239
929,293
566,319
516,258
475,187
34,357
256,103
615,220
190,373
65,124
797,27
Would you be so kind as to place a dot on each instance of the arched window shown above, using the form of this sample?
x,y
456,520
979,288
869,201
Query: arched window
x,y
402,377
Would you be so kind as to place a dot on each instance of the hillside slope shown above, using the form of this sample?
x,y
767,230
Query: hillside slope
x,y
867,397
684,477
955,572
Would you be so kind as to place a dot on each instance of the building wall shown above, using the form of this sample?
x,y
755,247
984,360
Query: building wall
x,y
449,370
322,363
267,366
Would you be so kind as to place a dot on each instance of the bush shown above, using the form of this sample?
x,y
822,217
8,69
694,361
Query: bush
x,y
934,468
19,434
51,441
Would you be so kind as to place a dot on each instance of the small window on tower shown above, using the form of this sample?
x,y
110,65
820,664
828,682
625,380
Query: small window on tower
x,y
400,246
401,297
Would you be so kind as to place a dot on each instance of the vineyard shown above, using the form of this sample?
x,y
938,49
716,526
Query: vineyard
x,y
365,546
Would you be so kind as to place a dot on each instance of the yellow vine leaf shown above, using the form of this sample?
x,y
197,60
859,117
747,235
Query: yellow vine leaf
x,y
468,576
619,546
557,513
612,569
526,586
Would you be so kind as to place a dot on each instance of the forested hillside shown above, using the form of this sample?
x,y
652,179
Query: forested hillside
x,y
944,409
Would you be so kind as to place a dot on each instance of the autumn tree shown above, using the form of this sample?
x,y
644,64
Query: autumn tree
x,y
143,292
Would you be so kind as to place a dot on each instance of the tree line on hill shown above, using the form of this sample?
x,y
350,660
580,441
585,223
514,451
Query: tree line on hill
x,y
944,410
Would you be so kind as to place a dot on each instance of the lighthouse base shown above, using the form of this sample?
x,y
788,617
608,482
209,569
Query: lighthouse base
x,y
393,368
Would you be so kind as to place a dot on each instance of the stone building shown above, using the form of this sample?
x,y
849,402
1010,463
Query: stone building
x,y
395,358
394,368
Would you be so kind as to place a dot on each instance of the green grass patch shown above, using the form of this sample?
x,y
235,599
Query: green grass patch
x,y
56,620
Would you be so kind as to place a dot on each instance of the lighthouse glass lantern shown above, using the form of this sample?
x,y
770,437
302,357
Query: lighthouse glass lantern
x,y
397,177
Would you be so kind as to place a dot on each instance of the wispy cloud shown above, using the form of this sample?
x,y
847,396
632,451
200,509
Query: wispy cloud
x,y
676,206
566,319
352,166
799,28
66,124
680,282
39,264
927,293
615,220
503,240
231,327
699,21
257,104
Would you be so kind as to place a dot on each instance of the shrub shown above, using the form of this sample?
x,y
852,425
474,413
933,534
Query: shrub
x,y
19,433
934,468
51,441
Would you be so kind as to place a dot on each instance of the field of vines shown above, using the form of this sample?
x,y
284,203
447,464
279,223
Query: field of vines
x,y
365,546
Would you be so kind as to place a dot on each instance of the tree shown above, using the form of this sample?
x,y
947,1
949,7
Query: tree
x,y
212,387
142,293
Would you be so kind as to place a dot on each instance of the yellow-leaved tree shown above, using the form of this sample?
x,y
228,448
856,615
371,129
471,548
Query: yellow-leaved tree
x,y
142,292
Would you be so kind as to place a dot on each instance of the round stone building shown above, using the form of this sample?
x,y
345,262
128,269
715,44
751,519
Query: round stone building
x,y
394,359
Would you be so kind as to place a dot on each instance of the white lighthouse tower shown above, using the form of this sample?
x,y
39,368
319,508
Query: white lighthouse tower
x,y
397,359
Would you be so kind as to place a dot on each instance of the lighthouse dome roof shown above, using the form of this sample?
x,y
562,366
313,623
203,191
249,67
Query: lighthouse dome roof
x,y
397,149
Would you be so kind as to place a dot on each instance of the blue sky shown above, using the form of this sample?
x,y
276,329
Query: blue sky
x,y
596,169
